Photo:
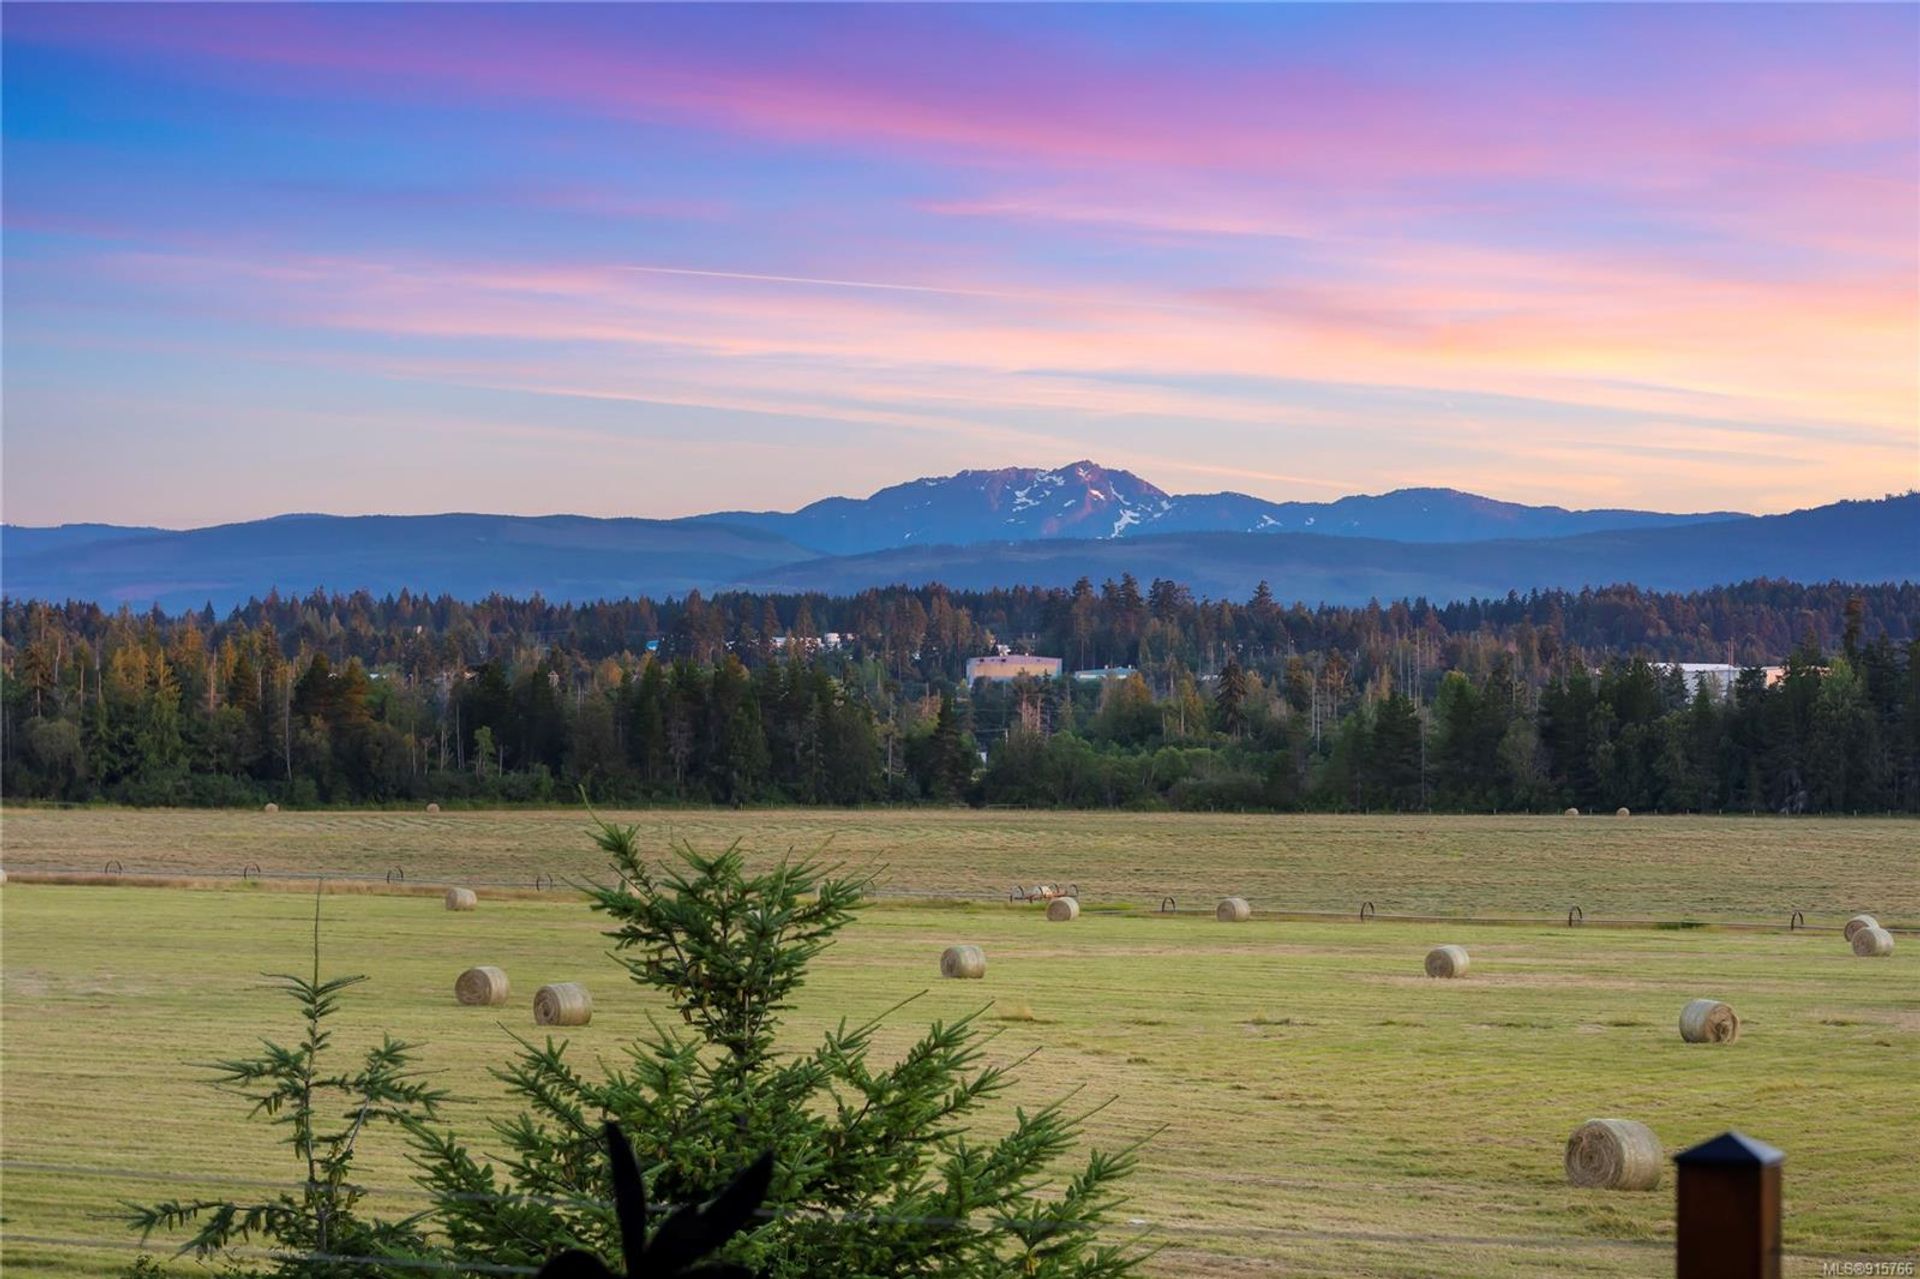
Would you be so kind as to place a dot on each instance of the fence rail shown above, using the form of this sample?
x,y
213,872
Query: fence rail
x,y
541,881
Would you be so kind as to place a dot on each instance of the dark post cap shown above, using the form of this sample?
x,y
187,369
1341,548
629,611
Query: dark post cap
x,y
1729,1150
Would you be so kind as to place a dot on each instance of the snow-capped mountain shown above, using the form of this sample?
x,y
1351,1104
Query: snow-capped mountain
x,y
1086,500
978,529
1013,504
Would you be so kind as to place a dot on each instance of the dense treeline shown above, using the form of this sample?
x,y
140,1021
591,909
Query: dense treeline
x,y
1530,702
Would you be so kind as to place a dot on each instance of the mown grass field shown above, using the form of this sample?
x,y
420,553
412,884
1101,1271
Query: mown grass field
x,y
1651,867
1317,1105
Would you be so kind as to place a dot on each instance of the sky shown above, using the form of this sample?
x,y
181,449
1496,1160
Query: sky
x,y
625,260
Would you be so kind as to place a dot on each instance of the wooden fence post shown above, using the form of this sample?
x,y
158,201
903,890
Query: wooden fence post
x,y
1728,1210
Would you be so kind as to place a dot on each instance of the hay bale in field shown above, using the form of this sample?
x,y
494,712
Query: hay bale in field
x,y
271,808
1233,910
484,985
433,808
1614,1154
462,899
1571,812
1870,942
1708,1021
963,961
564,1003
3,874
1062,909
1447,961
1623,811
1858,922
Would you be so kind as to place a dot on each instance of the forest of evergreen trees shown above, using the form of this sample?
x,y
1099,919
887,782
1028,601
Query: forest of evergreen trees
x,y
1524,703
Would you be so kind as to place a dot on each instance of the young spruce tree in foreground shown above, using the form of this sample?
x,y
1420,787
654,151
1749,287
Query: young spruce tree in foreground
x,y
874,1172
316,1231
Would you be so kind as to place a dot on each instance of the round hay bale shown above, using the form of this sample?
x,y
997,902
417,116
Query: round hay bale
x,y
1233,910
1571,812
1708,1021
1447,961
1614,1154
1623,811
462,899
271,808
1062,909
564,1003
1858,922
963,961
3,874
1870,942
484,985
433,808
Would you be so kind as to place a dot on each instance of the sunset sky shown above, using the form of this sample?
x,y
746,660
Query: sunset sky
x,y
652,261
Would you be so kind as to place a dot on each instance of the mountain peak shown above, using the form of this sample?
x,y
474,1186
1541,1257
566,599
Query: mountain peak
x,y
1012,503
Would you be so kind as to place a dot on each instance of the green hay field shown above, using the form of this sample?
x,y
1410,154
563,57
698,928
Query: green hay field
x,y
1318,1107
1659,867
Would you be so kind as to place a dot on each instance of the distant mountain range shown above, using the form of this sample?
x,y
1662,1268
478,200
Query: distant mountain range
x,y
1848,541
1085,500
22,539
563,557
977,529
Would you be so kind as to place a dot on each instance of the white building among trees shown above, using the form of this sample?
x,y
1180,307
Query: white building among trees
x,y
1718,677
1011,666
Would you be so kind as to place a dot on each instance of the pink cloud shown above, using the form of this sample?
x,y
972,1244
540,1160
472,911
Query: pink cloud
x,y
961,89
1473,323
966,230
